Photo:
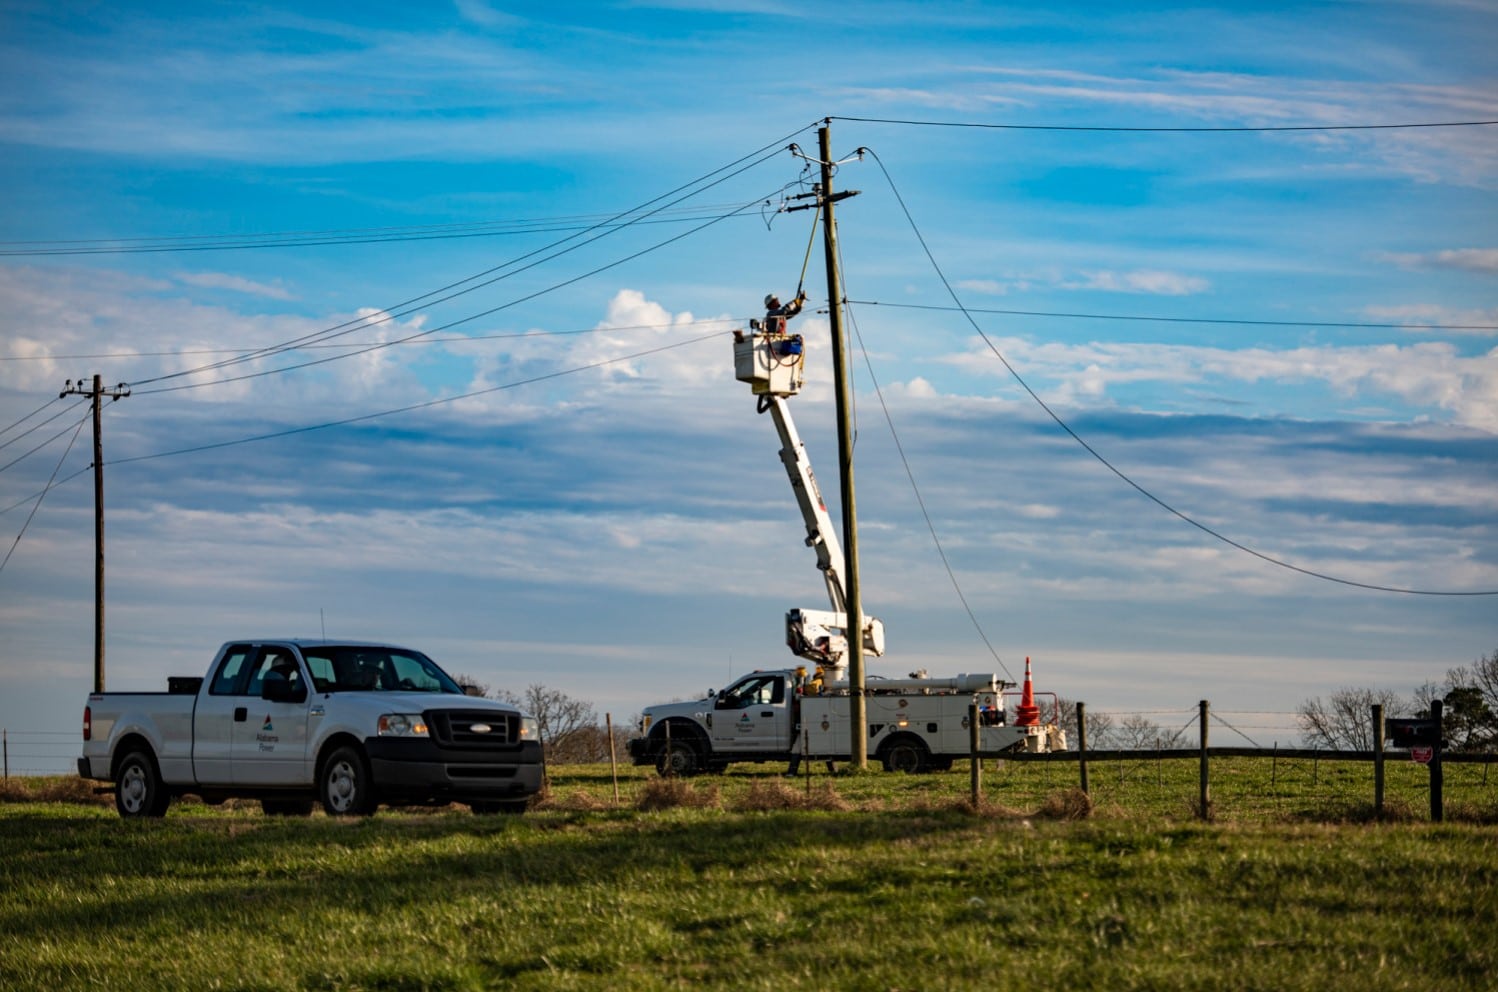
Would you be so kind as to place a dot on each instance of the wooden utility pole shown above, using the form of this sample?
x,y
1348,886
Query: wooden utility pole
x,y
859,743
96,393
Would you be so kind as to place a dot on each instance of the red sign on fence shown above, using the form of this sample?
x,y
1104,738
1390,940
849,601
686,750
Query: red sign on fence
x,y
1422,755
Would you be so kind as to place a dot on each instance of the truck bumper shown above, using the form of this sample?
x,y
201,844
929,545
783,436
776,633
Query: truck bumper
x,y
424,769
639,751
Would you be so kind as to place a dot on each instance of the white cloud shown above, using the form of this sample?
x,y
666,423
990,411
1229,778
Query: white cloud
x,y
1152,281
1480,260
239,284
1439,318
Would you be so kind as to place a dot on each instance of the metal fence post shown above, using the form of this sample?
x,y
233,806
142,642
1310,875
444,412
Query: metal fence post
x,y
1205,797
1436,775
974,736
1378,759
1082,743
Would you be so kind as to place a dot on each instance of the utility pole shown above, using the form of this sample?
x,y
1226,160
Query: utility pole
x,y
96,394
858,723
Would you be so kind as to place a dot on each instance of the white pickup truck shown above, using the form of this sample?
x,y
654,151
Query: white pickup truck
x,y
290,722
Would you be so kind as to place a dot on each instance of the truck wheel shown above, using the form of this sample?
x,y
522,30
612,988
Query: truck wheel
x,y
286,807
906,755
513,807
344,785
138,789
677,758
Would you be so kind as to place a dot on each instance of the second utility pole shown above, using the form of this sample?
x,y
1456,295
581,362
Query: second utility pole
x,y
858,723
96,394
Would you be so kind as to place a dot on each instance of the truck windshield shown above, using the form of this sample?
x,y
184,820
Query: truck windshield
x,y
366,669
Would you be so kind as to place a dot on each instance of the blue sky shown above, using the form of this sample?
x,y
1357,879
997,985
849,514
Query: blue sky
x,y
1323,387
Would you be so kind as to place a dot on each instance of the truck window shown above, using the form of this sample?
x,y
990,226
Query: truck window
x,y
230,671
273,659
321,667
763,690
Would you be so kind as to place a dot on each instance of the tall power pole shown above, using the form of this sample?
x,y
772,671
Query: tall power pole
x,y
97,393
858,723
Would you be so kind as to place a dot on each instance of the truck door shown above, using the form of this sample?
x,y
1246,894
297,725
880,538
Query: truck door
x,y
753,714
213,715
268,743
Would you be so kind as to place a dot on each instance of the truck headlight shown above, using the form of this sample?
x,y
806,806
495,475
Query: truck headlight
x,y
645,724
530,728
402,725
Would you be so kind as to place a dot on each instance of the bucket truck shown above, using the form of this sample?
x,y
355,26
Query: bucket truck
x,y
917,723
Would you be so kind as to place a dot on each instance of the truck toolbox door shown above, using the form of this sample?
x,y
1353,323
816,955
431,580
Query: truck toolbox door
x,y
269,745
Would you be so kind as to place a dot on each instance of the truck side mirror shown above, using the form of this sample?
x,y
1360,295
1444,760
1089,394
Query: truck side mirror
x,y
277,688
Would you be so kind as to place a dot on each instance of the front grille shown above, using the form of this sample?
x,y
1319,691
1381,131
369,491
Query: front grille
x,y
459,728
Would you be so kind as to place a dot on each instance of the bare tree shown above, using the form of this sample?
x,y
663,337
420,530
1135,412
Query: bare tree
x,y
569,727
1470,700
1344,722
1099,724
1137,732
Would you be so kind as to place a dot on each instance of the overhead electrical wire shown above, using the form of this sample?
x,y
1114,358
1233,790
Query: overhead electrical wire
x,y
28,416
454,323
916,489
49,440
435,296
212,446
453,339
1205,129
42,495
1147,318
1119,472
427,404
302,239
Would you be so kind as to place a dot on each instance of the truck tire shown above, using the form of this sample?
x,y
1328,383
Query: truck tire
x,y
286,807
906,754
512,807
344,784
678,758
138,789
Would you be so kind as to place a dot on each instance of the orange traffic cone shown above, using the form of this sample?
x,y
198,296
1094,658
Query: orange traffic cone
x,y
1027,714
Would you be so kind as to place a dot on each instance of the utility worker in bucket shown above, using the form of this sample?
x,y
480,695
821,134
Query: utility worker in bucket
x,y
777,313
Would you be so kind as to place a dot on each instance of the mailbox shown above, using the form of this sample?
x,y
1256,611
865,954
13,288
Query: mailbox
x,y
1413,733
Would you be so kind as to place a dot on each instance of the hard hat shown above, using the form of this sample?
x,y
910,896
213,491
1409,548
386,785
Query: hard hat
x,y
770,300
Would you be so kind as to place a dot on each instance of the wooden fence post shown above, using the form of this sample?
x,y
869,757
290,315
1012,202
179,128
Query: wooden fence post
x,y
1378,760
1082,743
974,738
608,722
1205,796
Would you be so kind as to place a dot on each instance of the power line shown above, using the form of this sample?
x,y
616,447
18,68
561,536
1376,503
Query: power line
x,y
919,499
1166,130
418,406
451,324
1119,472
452,339
33,427
396,311
366,417
197,243
1232,321
41,495
39,447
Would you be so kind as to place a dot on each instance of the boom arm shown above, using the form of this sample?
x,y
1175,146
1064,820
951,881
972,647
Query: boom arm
x,y
771,363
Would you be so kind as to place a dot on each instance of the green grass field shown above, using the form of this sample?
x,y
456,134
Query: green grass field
x,y
749,881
